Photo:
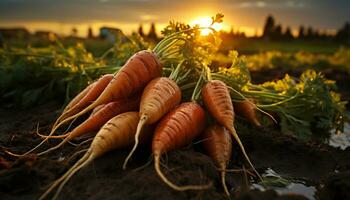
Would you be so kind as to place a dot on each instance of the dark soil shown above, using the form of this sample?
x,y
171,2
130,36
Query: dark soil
x,y
28,177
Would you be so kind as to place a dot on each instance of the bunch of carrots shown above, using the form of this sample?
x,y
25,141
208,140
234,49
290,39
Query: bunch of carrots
x,y
145,101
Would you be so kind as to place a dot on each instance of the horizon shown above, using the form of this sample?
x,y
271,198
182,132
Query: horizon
x,y
245,16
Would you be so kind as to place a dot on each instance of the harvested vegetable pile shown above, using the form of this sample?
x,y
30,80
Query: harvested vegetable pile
x,y
169,96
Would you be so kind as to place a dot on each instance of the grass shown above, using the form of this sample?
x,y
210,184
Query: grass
x,y
251,46
243,46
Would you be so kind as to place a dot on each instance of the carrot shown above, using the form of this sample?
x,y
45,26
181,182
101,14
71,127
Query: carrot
x,y
141,68
96,109
78,97
90,96
74,101
217,100
159,97
218,144
131,78
118,132
178,128
97,120
246,109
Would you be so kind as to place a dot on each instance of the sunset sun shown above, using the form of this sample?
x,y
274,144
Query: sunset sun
x,y
206,22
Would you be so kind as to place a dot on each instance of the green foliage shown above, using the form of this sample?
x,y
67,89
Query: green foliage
x,y
237,75
273,181
124,48
197,50
309,107
31,76
299,61
342,58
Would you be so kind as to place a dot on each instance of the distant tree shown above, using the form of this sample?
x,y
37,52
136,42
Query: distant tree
x,y
301,33
256,34
277,32
90,33
323,35
316,34
74,32
140,31
269,27
343,34
1,40
232,32
152,32
309,33
242,35
288,34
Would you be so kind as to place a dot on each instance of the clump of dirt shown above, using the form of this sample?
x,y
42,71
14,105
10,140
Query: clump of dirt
x,y
336,186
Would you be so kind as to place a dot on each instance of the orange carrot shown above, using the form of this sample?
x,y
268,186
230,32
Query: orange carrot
x,y
90,96
159,97
74,101
218,144
246,109
141,68
217,100
178,128
118,132
96,109
79,96
97,120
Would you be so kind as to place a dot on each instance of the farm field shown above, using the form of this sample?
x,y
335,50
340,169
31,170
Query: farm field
x,y
188,115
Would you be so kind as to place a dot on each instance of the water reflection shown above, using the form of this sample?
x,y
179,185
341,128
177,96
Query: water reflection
x,y
290,186
342,140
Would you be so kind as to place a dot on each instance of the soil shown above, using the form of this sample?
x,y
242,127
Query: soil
x,y
314,163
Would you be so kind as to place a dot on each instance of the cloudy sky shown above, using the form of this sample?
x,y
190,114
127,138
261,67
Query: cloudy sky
x,y
247,15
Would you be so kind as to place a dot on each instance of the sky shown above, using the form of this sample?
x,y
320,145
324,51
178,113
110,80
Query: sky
x,y
244,15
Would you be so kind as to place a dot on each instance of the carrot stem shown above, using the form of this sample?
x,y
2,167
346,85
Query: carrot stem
x,y
182,78
188,86
174,74
280,102
197,87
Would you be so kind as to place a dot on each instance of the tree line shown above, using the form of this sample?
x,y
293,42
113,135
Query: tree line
x,y
273,31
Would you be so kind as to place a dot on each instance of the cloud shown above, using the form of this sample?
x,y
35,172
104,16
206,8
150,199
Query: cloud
x,y
258,4
295,4
272,4
148,18
243,12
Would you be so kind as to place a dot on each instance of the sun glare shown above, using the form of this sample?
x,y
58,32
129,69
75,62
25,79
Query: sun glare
x,y
206,22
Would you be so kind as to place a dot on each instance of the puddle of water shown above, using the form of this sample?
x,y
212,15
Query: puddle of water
x,y
286,186
340,140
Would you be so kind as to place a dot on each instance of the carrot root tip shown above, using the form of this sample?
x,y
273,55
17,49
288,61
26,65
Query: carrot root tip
x,y
236,137
223,180
140,125
172,185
